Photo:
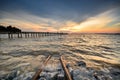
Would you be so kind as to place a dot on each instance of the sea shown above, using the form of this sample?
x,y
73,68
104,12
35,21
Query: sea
x,y
99,51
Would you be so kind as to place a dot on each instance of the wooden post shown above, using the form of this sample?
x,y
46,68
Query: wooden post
x,y
35,34
45,34
25,35
11,35
20,35
38,34
67,74
31,35
8,35
28,35
41,34
36,76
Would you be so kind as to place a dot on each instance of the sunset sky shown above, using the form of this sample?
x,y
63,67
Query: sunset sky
x,y
92,16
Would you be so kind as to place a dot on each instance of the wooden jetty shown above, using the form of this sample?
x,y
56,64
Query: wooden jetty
x,y
31,34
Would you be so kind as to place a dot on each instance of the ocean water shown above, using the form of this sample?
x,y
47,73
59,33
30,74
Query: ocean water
x,y
98,51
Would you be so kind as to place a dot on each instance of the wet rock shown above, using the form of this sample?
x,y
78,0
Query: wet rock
x,y
68,65
12,75
28,76
115,73
25,76
52,73
48,75
2,77
82,74
19,77
70,69
59,69
81,64
42,78
60,76
100,75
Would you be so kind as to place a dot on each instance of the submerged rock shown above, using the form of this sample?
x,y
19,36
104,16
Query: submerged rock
x,y
57,73
42,78
12,75
115,73
48,75
25,76
60,76
100,75
69,68
82,74
81,64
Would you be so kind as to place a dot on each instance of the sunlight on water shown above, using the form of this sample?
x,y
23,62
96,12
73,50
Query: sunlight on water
x,y
26,54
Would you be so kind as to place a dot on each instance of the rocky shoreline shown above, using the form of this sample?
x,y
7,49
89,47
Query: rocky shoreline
x,y
81,73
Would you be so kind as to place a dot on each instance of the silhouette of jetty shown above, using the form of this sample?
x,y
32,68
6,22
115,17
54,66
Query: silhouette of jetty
x,y
11,31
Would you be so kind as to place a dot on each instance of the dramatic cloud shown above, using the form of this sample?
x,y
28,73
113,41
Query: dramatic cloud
x,y
97,23
28,22
62,15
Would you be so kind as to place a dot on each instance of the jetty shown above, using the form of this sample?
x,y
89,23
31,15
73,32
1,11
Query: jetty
x,y
31,34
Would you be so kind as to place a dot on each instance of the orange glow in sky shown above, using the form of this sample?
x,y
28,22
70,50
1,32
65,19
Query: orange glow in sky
x,y
100,23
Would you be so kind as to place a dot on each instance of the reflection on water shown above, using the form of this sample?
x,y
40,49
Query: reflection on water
x,y
26,54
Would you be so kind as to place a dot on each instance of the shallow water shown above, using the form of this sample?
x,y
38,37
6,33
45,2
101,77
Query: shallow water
x,y
99,51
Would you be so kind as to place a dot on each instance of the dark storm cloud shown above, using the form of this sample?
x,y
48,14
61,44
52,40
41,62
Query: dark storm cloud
x,y
76,10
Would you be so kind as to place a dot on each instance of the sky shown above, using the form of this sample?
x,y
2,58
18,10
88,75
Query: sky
x,y
81,16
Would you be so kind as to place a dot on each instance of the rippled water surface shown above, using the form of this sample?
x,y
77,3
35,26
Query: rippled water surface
x,y
26,54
